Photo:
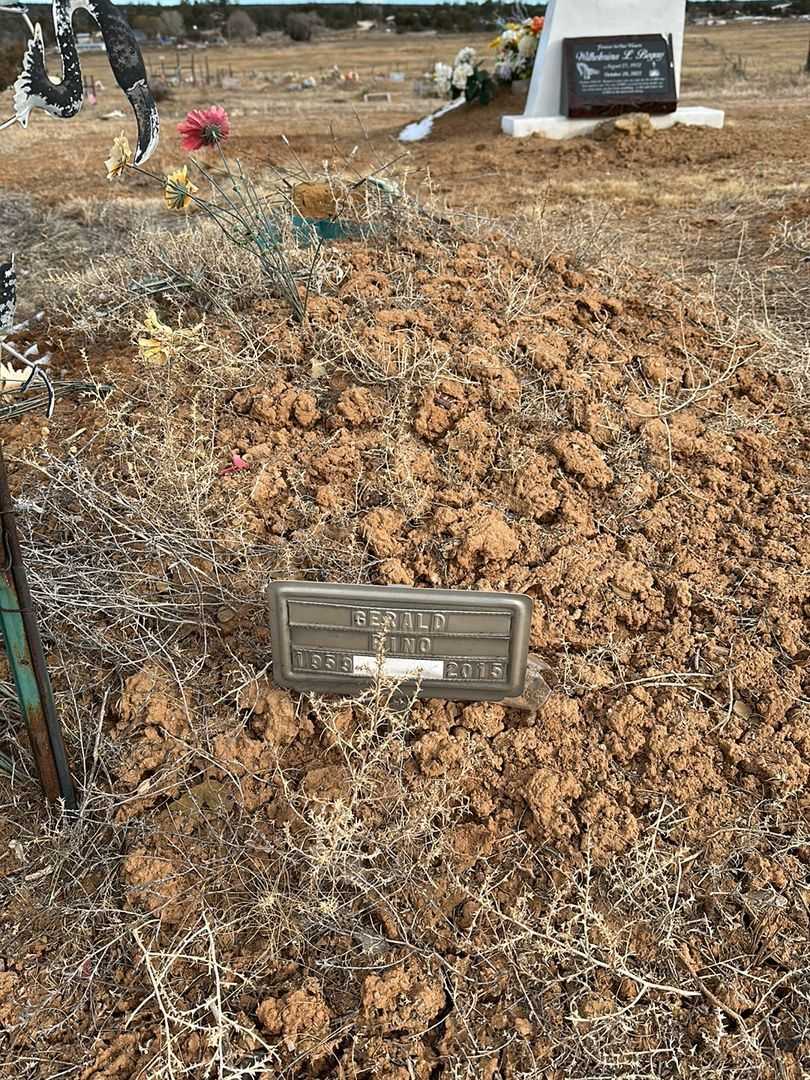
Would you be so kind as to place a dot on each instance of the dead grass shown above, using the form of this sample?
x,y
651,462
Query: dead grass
x,y
746,60
49,240
670,953
684,191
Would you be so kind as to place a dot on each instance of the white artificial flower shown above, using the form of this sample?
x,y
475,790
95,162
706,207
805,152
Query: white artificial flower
x,y
464,56
461,73
527,46
508,37
503,71
443,77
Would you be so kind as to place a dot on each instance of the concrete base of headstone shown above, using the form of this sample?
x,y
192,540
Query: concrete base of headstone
x,y
560,127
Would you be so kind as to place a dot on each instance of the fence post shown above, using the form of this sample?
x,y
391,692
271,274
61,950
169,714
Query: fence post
x,y
26,659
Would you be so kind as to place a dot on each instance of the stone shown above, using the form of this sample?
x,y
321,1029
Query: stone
x,y
634,124
637,125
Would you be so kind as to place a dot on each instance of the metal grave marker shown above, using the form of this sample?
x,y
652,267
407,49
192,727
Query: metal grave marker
x,y
330,638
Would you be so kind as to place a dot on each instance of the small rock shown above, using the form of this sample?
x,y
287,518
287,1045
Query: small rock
x,y
637,124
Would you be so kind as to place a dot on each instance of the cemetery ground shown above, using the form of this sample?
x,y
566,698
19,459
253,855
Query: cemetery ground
x,y
575,370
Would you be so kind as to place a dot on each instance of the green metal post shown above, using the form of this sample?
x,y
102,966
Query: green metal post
x,y
26,659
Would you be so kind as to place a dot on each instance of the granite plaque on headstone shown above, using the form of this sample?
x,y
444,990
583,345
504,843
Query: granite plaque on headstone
x,y
608,76
331,638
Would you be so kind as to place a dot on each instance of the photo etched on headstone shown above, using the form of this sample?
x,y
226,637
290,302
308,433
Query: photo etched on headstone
x,y
608,76
332,638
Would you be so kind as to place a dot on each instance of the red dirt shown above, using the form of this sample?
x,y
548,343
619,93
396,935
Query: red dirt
x,y
602,449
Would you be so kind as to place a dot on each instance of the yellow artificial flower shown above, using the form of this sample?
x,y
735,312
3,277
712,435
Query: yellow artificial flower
x,y
120,157
162,342
155,348
11,379
178,190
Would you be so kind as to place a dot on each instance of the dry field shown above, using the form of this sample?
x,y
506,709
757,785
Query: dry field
x,y
579,371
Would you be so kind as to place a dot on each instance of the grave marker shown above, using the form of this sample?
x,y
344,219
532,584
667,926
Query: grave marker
x,y
468,646
607,76
553,108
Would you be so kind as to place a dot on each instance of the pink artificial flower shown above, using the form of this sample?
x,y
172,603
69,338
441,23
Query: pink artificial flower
x,y
237,464
204,127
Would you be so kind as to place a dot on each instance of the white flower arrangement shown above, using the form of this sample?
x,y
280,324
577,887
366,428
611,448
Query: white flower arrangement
x,y
465,56
461,72
465,76
443,78
517,47
527,46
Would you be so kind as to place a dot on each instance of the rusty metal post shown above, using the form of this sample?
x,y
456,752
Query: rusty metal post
x,y
26,659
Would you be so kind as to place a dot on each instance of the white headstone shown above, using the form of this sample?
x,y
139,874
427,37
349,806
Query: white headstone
x,y
591,18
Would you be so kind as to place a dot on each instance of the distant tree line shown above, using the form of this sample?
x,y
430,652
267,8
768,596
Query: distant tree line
x,y
190,19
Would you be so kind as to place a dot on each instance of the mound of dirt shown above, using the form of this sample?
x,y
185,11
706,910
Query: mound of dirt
x,y
474,121
627,139
326,889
